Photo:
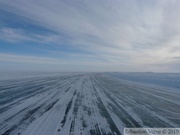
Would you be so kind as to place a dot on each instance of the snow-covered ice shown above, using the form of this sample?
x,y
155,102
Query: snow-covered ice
x,y
87,104
170,80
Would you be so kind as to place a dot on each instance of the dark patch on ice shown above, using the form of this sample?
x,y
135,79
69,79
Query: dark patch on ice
x,y
67,89
30,113
68,107
106,115
150,120
72,125
66,112
27,116
7,132
83,123
16,114
177,121
74,93
85,108
77,104
92,132
95,131
103,111
47,108
122,114
24,93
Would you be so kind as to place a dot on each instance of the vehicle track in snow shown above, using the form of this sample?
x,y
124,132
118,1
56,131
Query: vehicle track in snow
x,y
87,104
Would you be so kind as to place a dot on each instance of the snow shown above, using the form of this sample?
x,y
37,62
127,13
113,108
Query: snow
x,y
163,80
83,103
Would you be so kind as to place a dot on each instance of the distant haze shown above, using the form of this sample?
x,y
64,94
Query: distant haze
x,y
90,35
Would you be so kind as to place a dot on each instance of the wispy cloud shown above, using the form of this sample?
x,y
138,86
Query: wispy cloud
x,y
131,33
27,59
4,57
14,35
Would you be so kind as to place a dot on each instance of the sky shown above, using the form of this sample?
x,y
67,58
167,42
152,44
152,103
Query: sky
x,y
90,35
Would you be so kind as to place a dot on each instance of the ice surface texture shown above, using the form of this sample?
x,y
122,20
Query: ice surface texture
x,y
87,104
171,80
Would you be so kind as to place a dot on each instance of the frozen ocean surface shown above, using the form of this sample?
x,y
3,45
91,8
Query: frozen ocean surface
x,y
19,75
83,104
170,80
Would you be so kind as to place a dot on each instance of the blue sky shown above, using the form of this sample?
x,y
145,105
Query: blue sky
x,y
90,35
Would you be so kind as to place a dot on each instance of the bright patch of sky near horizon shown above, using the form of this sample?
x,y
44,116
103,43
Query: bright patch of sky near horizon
x,y
86,35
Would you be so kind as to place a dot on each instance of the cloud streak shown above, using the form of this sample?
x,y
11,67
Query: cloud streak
x,y
130,33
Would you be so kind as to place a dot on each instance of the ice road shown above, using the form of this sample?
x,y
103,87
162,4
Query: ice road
x,y
83,104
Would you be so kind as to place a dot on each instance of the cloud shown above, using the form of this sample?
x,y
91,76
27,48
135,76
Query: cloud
x,y
15,35
130,33
4,57
27,59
